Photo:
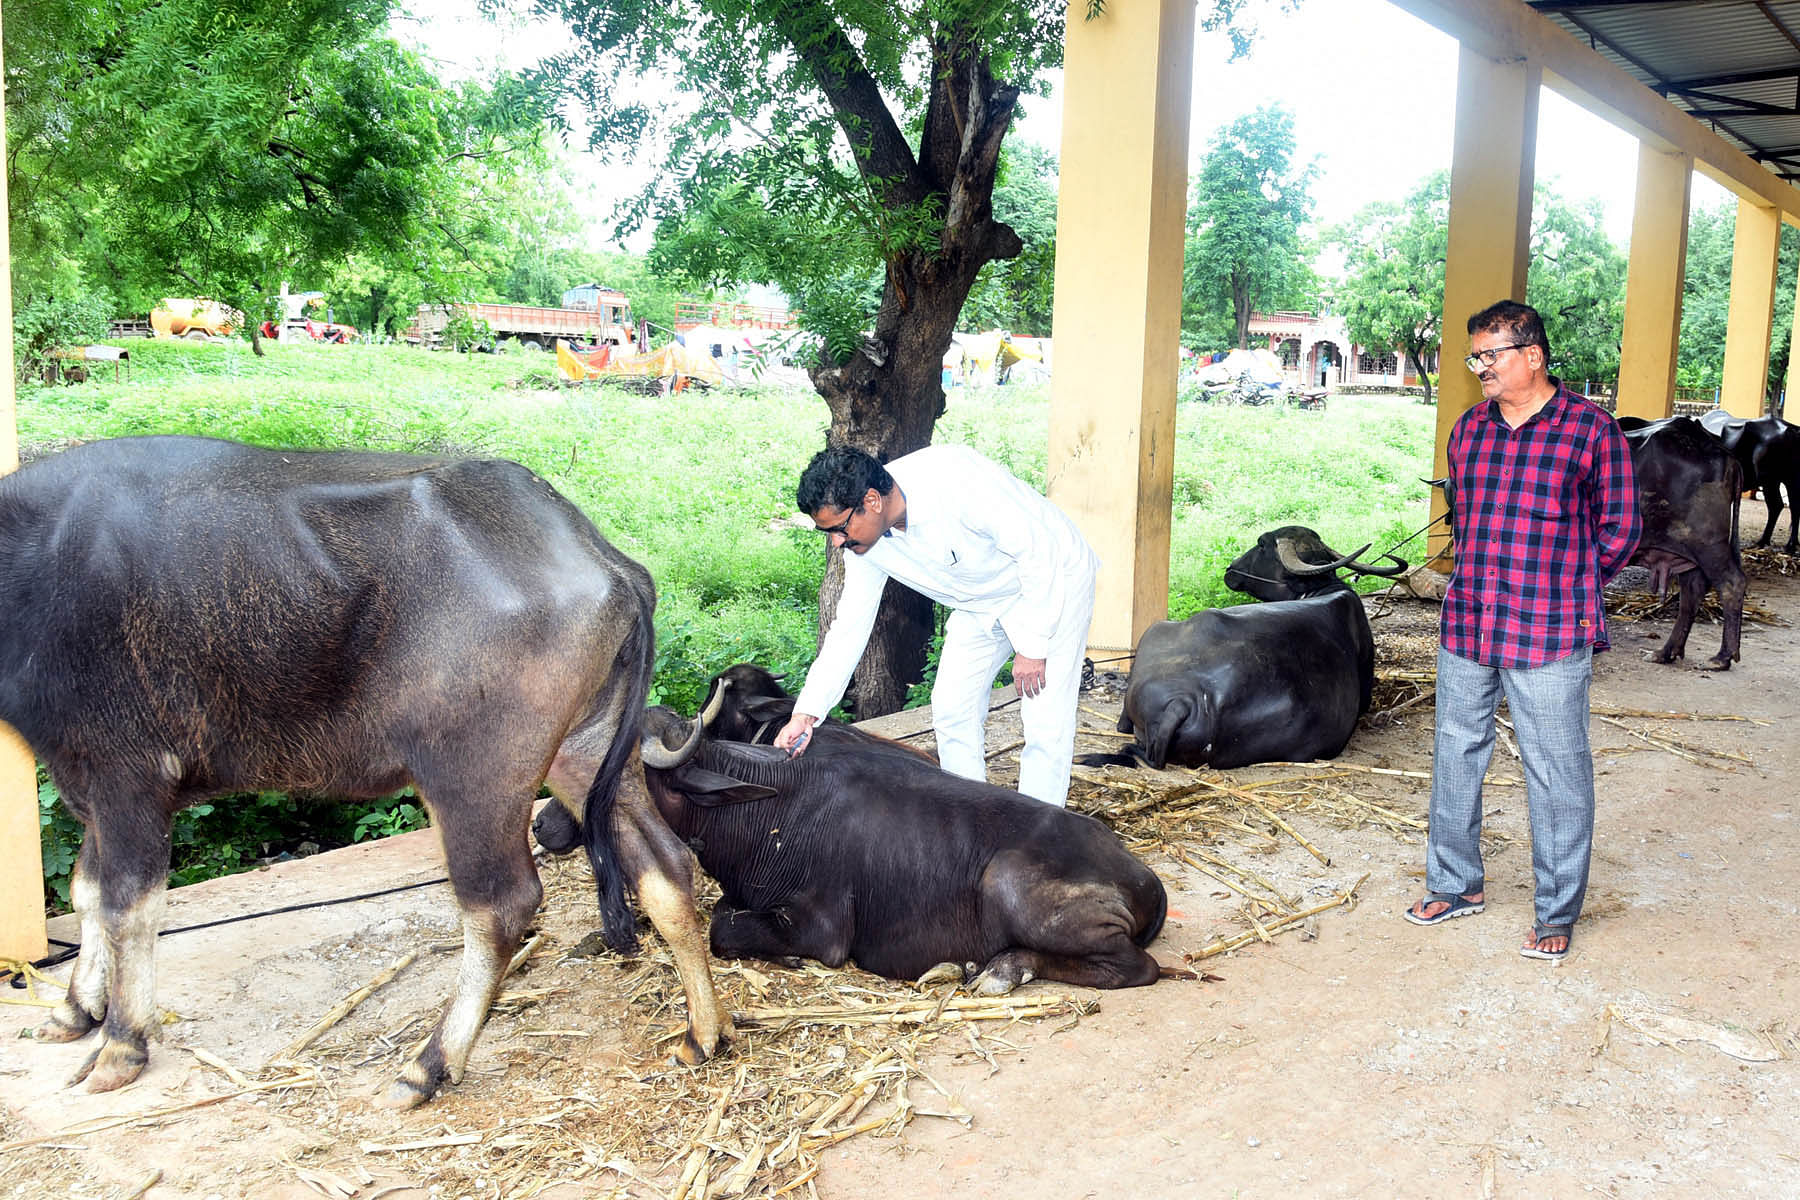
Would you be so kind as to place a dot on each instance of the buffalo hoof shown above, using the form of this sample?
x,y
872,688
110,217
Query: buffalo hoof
x,y
65,1027
1721,663
1660,656
402,1094
690,1053
111,1067
944,972
999,981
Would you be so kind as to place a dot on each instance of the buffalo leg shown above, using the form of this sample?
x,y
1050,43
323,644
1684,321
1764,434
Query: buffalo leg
x,y
800,931
1732,588
83,1006
1693,590
123,878
498,892
1082,933
1793,542
1772,499
662,873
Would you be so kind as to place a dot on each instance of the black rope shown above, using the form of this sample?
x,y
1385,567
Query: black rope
x,y
74,948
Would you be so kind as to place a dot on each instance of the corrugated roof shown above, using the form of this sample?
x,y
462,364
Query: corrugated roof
x,y
1733,64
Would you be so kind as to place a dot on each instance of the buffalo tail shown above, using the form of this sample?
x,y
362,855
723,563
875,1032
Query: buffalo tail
x,y
636,660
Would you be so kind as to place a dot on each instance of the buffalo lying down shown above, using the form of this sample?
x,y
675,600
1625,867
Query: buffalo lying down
x,y
182,618
862,850
1282,681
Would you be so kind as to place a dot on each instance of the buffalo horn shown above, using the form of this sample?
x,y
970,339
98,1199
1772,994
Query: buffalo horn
x,y
714,704
1383,572
656,754
1293,564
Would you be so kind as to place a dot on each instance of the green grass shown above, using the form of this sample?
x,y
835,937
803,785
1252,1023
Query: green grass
x,y
697,487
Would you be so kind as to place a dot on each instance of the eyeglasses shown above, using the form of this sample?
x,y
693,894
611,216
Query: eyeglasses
x,y
1485,358
842,527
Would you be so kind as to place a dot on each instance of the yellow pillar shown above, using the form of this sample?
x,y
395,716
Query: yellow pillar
x,y
1659,222
1752,317
1121,211
1490,225
21,859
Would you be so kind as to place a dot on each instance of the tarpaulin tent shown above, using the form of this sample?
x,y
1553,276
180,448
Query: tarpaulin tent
x,y
672,360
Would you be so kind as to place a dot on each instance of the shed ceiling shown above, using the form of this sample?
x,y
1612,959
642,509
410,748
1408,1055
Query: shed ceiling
x,y
1733,65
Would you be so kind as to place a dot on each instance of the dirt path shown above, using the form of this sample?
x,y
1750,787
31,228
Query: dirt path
x,y
1373,1058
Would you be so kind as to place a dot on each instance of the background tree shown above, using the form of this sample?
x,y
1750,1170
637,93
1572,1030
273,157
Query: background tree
x,y
1016,294
178,147
1577,284
1706,300
1393,289
1248,203
848,153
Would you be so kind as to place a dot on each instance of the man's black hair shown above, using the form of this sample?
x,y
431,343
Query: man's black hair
x,y
1520,322
839,477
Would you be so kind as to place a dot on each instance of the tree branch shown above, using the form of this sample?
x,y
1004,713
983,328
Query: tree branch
x,y
876,142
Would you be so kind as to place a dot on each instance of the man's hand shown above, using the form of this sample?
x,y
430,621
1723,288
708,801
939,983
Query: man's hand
x,y
1028,675
795,734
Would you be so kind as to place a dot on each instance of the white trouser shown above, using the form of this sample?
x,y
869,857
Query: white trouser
x,y
975,648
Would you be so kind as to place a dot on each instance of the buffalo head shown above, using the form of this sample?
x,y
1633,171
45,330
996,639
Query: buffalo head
x,y
1293,561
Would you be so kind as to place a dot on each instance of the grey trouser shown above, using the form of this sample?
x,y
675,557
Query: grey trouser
x,y
1550,716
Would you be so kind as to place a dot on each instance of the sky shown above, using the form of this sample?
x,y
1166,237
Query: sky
x,y
1371,87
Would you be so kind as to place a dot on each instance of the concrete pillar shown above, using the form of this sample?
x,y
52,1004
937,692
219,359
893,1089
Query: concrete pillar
x,y
1121,212
21,859
1752,316
1659,222
1490,226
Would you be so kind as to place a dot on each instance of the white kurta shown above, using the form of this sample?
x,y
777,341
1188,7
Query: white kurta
x,y
1021,578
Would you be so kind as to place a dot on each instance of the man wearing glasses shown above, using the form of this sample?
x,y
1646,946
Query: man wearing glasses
x,y
1015,572
1543,512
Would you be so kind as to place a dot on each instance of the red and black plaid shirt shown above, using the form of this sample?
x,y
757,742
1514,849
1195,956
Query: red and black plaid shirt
x,y
1543,516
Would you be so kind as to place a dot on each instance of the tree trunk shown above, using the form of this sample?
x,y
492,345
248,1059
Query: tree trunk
x,y
885,400
889,395
1418,361
1240,309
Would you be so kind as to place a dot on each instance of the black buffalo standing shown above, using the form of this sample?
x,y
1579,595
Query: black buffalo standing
x,y
1688,486
1768,451
182,618
1281,681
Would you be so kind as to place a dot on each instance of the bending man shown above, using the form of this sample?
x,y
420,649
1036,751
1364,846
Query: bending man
x,y
1016,573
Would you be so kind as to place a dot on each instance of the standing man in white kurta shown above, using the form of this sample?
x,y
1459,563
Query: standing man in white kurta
x,y
1016,573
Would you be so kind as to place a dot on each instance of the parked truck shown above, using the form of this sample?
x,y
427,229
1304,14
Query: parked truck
x,y
607,321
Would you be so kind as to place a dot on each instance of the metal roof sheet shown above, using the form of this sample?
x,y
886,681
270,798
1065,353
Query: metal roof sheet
x,y
1733,64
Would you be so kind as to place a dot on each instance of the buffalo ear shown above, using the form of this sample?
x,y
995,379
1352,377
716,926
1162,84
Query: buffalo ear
x,y
709,789
768,708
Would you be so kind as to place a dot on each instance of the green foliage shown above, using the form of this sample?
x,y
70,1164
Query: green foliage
x,y
1015,294
45,323
1393,290
1243,247
183,148
1577,284
464,331
1706,299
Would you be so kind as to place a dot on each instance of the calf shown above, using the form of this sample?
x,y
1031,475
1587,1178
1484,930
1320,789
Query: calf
x,y
1688,486
183,618
1282,681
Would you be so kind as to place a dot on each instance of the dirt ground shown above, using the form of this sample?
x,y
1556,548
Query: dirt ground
x,y
1355,1055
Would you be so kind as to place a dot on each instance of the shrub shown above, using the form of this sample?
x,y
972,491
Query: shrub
x,y
45,323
